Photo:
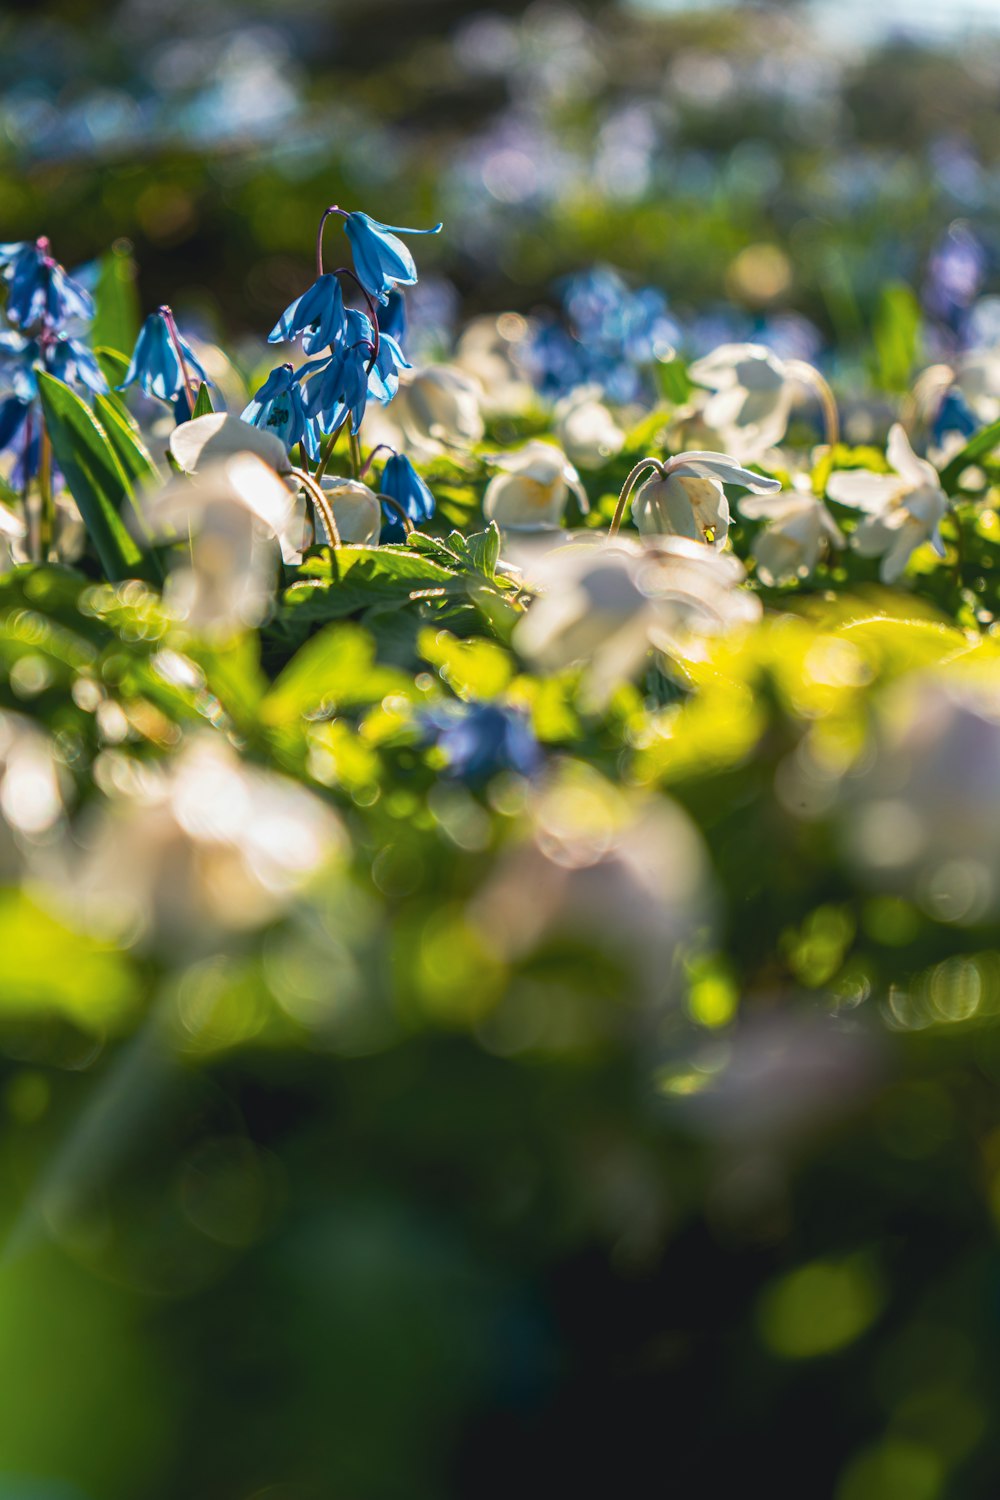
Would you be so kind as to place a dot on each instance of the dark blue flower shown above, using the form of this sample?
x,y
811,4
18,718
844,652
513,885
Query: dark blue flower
x,y
279,407
402,483
393,319
39,292
71,361
383,382
20,434
318,315
155,364
481,739
340,387
953,415
380,259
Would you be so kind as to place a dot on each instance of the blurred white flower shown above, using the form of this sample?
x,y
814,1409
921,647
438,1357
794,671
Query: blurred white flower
x,y
210,439
685,497
626,876
800,531
184,854
921,814
754,392
606,603
489,350
585,428
437,408
977,376
530,493
13,533
235,515
903,510
31,801
356,511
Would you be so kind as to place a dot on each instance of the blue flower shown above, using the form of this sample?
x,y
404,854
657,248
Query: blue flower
x,y
279,407
383,382
953,415
20,434
40,294
318,315
402,483
380,259
71,361
339,388
393,320
155,364
481,739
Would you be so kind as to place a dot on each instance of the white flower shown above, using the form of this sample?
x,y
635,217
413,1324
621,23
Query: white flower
x,y
586,430
437,408
921,815
605,602
356,510
685,496
800,531
207,846
753,396
31,801
977,376
210,439
531,492
235,517
904,509
13,533
489,350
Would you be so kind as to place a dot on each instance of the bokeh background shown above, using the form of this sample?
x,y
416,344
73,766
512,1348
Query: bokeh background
x,y
400,1262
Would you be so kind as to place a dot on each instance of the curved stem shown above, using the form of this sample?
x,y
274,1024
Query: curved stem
x,y
320,504
394,505
175,339
333,209
47,512
328,453
808,375
379,448
628,487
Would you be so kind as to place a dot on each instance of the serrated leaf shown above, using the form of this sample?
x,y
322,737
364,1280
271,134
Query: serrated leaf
x,y
93,473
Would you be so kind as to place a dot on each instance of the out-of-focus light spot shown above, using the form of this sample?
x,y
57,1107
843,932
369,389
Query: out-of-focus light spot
x,y
27,1097
893,1470
760,274
820,1308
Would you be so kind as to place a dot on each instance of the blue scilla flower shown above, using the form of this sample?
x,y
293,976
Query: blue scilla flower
x,y
71,361
402,483
393,320
21,434
383,377
39,292
340,388
279,407
481,739
155,363
318,315
380,259
953,415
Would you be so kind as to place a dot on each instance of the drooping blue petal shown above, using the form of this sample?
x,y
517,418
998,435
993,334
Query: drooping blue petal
x,y
481,739
279,407
392,322
340,387
318,315
72,362
155,364
402,483
40,294
380,259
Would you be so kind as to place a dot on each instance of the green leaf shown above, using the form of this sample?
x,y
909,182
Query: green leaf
x,y
95,477
336,669
118,314
897,336
480,551
203,405
674,382
114,366
362,576
123,434
976,449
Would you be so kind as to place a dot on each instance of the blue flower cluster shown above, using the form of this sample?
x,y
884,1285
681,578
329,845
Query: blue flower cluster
x,y
47,311
164,365
479,740
363,355
610,336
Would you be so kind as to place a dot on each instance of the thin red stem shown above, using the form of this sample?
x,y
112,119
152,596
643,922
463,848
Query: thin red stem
x,y
175,339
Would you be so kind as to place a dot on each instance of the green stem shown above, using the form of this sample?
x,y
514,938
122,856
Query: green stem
x,y
47,512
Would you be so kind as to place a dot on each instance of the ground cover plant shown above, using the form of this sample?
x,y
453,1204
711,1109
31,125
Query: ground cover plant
x,y
500,884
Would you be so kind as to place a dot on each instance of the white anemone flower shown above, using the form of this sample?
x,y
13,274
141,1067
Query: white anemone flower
x,y
530,493
753,394
205,847
489,350
903,510
235,517
685,495
356,511
605,603
438,407
585,428
800,531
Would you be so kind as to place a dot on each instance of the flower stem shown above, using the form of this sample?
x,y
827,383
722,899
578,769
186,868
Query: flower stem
x,y
355,456
808,375
47,512
321,505
175,339
395,506
628,487
328,451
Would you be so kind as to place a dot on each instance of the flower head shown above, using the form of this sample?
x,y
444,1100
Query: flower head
x,y
586,430
381,261
39,292
481,739
340,388
279,407
800,530
356,511
401,482
686,498
903,510
530,493
318,316
438,407
156,364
